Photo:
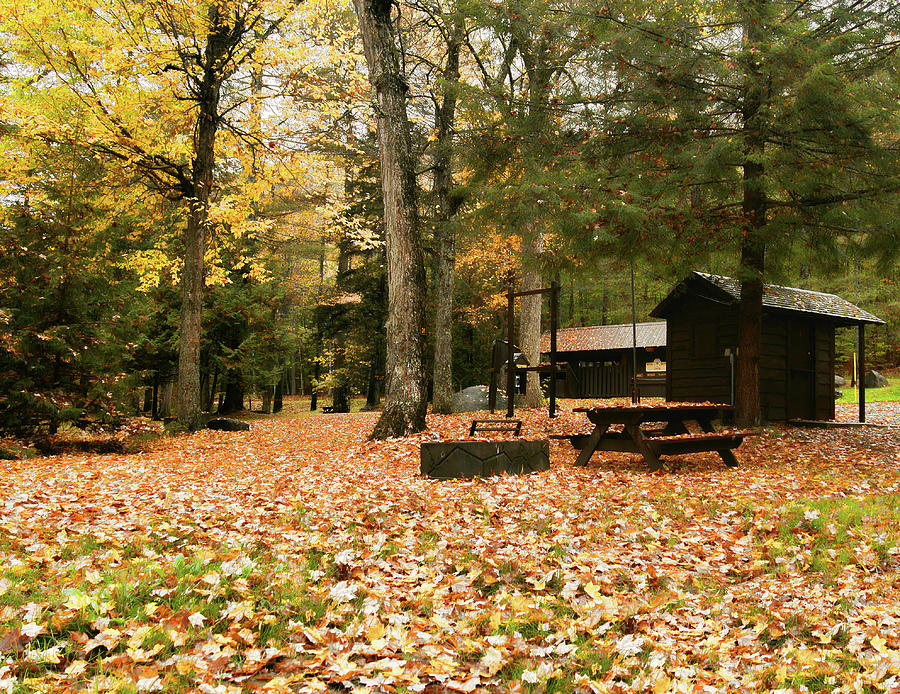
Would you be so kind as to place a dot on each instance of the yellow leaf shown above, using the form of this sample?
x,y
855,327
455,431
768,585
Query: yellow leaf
x,y
77,668
78,601
520,603
661,685
823,636
593,590
878,644
493,660
375,631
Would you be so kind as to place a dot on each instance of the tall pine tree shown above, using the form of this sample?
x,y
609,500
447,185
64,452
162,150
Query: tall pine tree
x,y
745,126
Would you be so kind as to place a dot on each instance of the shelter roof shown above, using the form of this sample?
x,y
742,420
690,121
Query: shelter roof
x,y
601,337
728,290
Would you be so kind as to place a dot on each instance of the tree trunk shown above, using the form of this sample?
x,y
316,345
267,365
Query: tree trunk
x,y
209,89
278,404
405,401
748,410
165,399
340,394
376,370
212,390
314,386
445,235
530,316
233,401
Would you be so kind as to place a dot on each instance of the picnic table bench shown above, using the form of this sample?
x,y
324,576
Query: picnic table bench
x,y
672,438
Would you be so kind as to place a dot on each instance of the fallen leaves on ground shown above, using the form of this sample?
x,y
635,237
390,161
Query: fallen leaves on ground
x,y
302,557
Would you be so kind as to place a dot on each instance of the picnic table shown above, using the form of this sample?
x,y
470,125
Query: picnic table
x,y
673,438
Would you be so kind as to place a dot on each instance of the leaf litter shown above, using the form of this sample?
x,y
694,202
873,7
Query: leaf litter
x,y
302,557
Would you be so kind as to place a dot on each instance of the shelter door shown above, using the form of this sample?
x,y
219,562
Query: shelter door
x,y
801,372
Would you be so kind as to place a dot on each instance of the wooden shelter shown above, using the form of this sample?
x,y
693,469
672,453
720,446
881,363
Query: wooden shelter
x,y
797,352
598,359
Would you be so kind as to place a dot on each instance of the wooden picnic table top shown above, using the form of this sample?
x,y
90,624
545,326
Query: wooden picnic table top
x,y
675,438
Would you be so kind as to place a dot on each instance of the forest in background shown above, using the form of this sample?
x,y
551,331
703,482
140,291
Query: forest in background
x,y
556,141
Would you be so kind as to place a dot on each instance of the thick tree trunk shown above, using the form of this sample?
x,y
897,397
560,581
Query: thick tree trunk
x,y
405,401
209,90
188,404
445,236
233,400
530,316
748,410
540,74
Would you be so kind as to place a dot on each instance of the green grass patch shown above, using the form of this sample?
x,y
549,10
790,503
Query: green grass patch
x,y
827,535
890,393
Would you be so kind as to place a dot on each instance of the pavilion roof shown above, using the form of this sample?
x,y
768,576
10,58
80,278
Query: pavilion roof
x,y
602,337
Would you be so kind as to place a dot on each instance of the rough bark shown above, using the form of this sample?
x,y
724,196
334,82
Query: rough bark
x,y
445,237
535,56
188,403
405,394
753,247
530,316
197,197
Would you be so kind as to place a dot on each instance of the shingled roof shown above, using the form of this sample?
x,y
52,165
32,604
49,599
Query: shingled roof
x,y
601,337
776,297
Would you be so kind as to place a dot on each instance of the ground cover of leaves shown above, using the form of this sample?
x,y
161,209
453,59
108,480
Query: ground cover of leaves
x,y
301,557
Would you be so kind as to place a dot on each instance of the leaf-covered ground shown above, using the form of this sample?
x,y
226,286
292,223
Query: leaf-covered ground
x,y
300,557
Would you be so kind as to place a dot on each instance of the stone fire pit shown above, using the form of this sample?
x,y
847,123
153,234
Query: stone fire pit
x,y
453,459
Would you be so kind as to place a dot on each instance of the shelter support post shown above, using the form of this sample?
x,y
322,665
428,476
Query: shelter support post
x,y
554,323
861,371
511,361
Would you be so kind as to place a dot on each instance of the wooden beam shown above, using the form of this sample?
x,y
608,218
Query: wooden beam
x,y
861,371
511,361
532,292
554,321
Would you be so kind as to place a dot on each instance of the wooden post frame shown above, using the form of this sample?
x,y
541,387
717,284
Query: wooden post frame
x,y
510,356
553,291
861,371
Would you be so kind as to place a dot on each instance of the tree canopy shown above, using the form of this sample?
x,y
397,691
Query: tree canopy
x,y
165,161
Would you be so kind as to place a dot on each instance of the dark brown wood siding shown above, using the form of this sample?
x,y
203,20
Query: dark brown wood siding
x,y
824,370
796,359
698,369
773,384
602,373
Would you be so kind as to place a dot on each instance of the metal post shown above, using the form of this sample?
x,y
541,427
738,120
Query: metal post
x,y
511,359
554,321
635,398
